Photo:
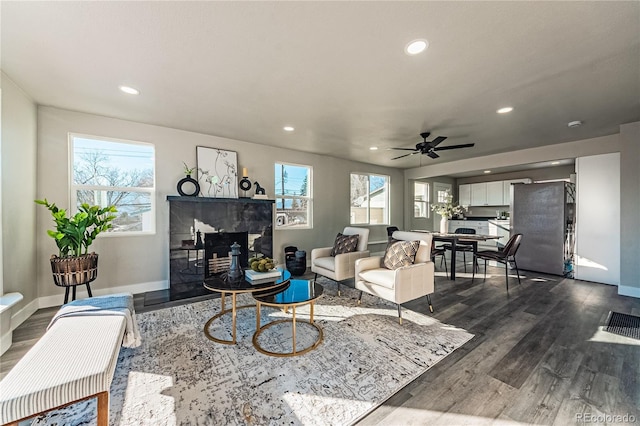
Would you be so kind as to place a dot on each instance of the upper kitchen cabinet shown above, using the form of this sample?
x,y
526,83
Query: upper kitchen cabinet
x,y
497,193
464,195
487,194
479,194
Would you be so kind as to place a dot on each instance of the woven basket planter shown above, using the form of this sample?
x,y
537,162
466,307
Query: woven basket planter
x,y
69,271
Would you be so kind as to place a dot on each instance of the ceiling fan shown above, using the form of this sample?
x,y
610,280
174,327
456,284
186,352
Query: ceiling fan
x,y
429,148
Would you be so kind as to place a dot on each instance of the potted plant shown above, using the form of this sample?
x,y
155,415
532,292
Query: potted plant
x,y
74,265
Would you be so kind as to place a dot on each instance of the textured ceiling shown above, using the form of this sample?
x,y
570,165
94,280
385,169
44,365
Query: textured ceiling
x,y
336,71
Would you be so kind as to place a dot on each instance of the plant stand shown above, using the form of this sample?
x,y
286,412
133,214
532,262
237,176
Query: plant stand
x,y
74,271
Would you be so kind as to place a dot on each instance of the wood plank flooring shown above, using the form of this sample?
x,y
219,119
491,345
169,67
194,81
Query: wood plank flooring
x,y
538,355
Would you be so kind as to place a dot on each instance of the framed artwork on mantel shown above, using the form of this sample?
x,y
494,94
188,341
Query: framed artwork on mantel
x,y
217,172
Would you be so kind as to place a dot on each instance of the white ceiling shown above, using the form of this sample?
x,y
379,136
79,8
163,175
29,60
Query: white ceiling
x,y
336,71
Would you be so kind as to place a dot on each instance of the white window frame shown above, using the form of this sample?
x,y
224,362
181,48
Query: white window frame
x,y
73,188
426,202
387,220
308,198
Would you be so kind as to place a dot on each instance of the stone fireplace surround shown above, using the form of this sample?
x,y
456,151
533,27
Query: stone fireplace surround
x,y
219,220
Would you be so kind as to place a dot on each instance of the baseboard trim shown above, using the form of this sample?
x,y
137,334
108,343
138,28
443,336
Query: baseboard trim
x,y
56,300
24,313
625,290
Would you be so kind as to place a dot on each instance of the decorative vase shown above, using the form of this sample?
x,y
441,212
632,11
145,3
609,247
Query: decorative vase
x,y
191,184
444,225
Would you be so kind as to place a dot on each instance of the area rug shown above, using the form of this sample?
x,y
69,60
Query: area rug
x,y
179,377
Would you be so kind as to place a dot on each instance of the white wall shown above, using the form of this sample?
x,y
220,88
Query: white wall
x,y
141,263
597,254
630,209
19,120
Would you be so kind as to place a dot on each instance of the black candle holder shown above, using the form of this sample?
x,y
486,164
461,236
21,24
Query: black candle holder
x,y
245,185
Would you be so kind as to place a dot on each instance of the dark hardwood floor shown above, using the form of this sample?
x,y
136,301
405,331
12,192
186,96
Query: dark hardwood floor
x,y
539,355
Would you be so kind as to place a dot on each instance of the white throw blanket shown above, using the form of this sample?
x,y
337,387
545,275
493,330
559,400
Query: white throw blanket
x,y
112,304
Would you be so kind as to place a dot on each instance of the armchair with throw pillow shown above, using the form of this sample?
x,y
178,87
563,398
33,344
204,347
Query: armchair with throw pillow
x,y
338,262
404,273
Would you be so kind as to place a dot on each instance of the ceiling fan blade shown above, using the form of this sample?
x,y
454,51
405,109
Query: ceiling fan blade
x,y
403,149
433,154
406,155
437,140
443,148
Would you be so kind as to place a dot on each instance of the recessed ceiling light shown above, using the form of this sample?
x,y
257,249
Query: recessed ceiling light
x,y
288,129
373,148
504,110
416,46
555,163
487,171
576,123
129,90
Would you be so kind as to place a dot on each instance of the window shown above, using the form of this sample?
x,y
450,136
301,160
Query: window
x,y
294,199
115,172
421,199
443,196
369,199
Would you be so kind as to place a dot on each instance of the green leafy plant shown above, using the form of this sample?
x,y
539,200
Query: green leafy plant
x,y
448,208
74,234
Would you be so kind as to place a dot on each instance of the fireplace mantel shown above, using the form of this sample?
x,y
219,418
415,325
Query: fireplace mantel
x,y
182,199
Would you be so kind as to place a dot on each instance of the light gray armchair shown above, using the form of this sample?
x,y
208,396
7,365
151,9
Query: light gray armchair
x,y
342,266
403,284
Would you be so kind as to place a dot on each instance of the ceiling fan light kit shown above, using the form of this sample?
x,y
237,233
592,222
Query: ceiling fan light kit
x,y
429,148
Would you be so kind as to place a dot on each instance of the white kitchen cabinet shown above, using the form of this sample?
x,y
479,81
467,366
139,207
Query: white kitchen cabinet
x,y
464,195
479,194
495,191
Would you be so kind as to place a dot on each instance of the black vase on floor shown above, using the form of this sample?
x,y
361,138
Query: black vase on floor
x,y
296,262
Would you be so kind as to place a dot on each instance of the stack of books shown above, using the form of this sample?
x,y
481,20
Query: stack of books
x,y
253,276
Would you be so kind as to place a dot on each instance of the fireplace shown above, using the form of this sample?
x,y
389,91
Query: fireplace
x,y
218,245
200,227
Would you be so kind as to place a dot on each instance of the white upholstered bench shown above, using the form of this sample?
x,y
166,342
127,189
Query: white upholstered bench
x,y
74,360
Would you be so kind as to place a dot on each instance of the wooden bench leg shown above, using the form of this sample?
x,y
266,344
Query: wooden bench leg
x,y
103,409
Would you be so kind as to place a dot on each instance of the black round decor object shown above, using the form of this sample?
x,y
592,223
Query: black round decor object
x,y
189,181
245,184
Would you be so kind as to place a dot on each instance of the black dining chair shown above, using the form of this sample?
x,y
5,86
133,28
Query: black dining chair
x,y
464,246
506,255
391,230
439,251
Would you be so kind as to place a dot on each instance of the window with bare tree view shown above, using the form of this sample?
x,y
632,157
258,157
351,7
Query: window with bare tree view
x,y
115,172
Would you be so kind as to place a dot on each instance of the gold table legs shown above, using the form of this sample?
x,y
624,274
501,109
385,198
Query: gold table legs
x,y
293,320
224,311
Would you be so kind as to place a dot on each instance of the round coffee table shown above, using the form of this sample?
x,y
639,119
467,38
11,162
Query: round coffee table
x,y
296,293
218,284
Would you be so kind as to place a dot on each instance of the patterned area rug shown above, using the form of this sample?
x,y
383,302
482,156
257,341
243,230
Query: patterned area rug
x,y
179,377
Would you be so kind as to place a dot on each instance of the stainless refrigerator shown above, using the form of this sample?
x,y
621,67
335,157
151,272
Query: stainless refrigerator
x,y
544,213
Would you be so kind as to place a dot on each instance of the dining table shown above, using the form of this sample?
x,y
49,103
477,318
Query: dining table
x,y
454,239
